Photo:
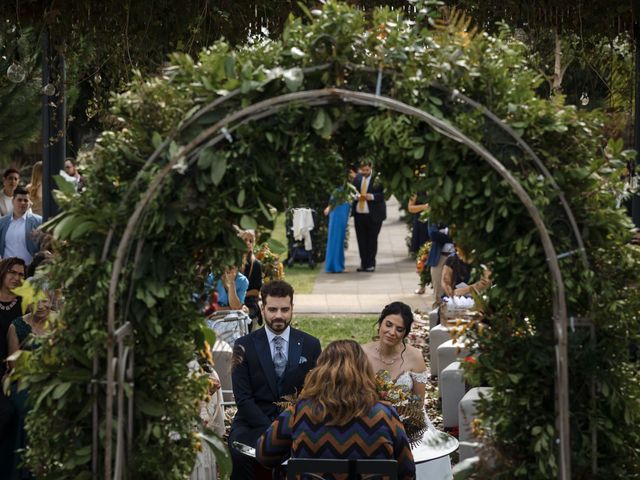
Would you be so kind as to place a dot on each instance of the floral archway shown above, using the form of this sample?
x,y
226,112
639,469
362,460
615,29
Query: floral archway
x,y
187,158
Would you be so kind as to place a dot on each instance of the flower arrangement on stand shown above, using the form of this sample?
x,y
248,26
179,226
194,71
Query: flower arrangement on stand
x,y
272,267
422,270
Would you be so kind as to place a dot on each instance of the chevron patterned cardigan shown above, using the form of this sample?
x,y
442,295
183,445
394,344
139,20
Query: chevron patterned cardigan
x,y
298,433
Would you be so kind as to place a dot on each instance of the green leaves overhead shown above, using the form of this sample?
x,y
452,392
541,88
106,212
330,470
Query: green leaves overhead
x,y
271,159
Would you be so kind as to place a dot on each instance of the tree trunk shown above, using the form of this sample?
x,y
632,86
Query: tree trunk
x,y
558,72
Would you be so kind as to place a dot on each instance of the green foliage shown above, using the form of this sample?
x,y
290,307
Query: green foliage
x,y
289,158
19,100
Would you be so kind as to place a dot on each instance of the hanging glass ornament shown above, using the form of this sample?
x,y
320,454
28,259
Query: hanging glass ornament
x,y
49,89
16,73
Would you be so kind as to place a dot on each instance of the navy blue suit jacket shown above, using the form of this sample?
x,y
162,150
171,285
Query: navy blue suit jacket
x,y
377,206
255,385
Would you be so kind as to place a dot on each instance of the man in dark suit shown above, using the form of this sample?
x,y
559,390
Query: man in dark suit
x,y
267,364
369,211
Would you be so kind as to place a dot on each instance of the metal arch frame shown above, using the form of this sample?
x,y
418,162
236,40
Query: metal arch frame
x,y
271,106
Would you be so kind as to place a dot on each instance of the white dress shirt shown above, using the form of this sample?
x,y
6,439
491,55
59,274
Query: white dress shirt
x,y
15,242
272,345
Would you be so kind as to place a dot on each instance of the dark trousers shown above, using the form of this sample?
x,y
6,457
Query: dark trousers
x,y
367,232
244,467
8,427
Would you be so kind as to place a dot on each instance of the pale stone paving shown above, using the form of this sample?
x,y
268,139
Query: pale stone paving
x,y
395,277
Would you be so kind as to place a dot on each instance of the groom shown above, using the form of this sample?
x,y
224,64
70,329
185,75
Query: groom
x,y
268,363
369,211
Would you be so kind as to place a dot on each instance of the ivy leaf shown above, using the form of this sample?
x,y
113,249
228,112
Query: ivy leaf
x,y
219,449
44,393
60,390
248,223
293,78
81,229
150,407
65,186
205,159
230,66
276,246
319,119
218,168
447,189
490,223
30,295
156,140
241,197
305,10
406,171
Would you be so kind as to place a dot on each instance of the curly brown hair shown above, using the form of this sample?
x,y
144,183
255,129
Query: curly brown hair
x,y
342,385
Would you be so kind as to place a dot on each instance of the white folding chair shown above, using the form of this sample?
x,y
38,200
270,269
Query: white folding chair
x,y
229,325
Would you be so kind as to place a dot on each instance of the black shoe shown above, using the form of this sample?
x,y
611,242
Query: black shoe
x,y
361,269
370,269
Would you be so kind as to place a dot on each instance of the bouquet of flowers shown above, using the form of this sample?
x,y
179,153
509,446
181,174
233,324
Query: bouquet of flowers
x,y
421,268
346,193
409,406
272,268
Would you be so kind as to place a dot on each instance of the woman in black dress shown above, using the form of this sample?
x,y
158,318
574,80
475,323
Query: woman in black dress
x,y
25,333
12,272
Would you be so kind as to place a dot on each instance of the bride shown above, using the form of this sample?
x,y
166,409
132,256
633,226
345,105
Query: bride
x,y
390,351
406,367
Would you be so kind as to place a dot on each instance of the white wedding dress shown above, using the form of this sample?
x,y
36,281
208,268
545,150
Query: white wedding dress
x,y
432,454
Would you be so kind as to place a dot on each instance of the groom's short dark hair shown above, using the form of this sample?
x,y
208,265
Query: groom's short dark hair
x,y
276,288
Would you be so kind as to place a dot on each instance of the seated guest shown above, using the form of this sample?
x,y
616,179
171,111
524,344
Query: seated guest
x,y
338,416
253,272
231,287
268,364
456,275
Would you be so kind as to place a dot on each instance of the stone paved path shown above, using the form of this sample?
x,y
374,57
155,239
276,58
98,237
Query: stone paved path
x,y
395,277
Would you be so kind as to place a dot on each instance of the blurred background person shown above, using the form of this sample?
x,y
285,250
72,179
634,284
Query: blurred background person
x,y
456,275
12,272
231,287
419,227
35,188
10,181
25,333
253,272
71,174
18,236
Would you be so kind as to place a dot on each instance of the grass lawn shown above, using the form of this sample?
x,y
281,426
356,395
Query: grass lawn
x,y
301,277
328,328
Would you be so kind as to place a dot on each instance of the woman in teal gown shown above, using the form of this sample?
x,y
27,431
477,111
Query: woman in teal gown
x,y
338,212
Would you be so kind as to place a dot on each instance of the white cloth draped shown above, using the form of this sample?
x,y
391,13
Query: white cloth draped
x,y
302,226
